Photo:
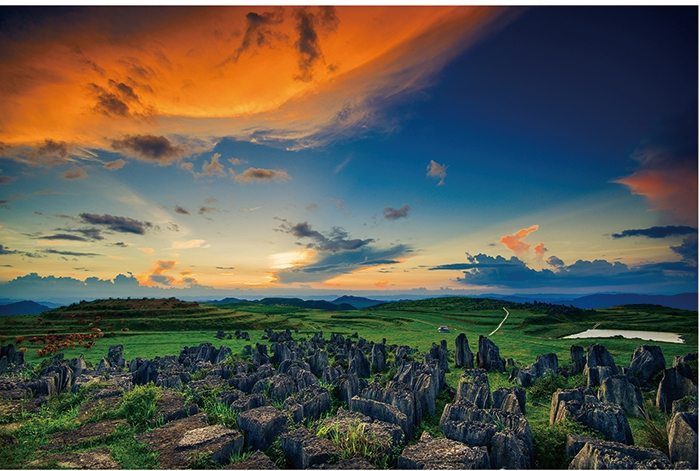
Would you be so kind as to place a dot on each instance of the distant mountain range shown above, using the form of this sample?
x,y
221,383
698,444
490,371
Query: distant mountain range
x,y
688,301
23,308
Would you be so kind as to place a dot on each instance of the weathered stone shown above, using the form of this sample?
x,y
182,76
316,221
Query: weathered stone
x,y
544,365
246,382
99,458
599,365
509,399
378,357
146,373
217,441
262,425
171,406
673,385
318,362
176,441
608,419
82,434
474,387
466,423
115,356
619,390
304,449
578,359
348,385
351,463
442,453
382,411
257,460
683,438
597,454
647,361
464,358
385,436
488,357
248,402
563,395
682,365
686,404
359,364
506,452
309,404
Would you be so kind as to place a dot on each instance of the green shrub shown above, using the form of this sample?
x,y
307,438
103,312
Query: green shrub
x,y
550,443
139,406
543,388
355,441
220,413
652,431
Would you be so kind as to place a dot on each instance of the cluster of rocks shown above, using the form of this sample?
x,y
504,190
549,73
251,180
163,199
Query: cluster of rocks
x,y
290,381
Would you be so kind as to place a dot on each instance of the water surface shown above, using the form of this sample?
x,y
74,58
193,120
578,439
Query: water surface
x,y
628,334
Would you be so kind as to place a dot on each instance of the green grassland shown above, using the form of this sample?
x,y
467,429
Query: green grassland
x,y
149,328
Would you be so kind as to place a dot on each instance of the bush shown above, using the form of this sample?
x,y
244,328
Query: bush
x,y
543,388
139,405
550,443
357,442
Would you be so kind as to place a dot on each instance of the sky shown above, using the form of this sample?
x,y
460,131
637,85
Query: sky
x,y
258,151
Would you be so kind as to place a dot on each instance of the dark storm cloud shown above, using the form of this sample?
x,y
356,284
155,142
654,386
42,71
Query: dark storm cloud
x,y
6,251
656,232
688,248
555,261
337,239
307,43
155,149
393,214
117,223
181,210
71,254
258,32
64,237
485,270
108,103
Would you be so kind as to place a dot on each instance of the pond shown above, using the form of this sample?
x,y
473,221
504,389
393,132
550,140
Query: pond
x,y
628,334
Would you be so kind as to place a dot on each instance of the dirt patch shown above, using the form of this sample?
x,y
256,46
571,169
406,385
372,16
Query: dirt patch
x,y
99,458
83,434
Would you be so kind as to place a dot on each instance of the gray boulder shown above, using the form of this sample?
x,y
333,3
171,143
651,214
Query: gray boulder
x,y
683,438
619,390
262,425
598,454
359,364
647,361
682,365
304,449
544,365
310,403
488,357
382,411
506,452
474,387
608,419
378,357
673,386
442,453
464,358
509,399
600,364
578,360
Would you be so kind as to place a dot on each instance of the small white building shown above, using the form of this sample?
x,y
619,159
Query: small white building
x,y
443,329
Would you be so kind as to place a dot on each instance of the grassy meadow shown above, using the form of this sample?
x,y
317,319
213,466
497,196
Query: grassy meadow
x,y
152,327
149,328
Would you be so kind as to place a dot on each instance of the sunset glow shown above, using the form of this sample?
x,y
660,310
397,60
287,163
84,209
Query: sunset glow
x,y
249,151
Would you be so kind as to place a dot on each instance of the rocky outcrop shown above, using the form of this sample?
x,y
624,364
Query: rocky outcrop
x,y
177,441
619,390
385,436
578,360
474,387
309,404
382,411
488,357
673,386
683,438
598,454
600,364
261,426
583,407
442,453
304,449
544,365
647,361
464,358
509,399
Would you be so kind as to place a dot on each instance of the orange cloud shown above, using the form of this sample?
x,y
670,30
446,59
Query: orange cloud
x,y
673,189
540,249
176,80
514,241
383,284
